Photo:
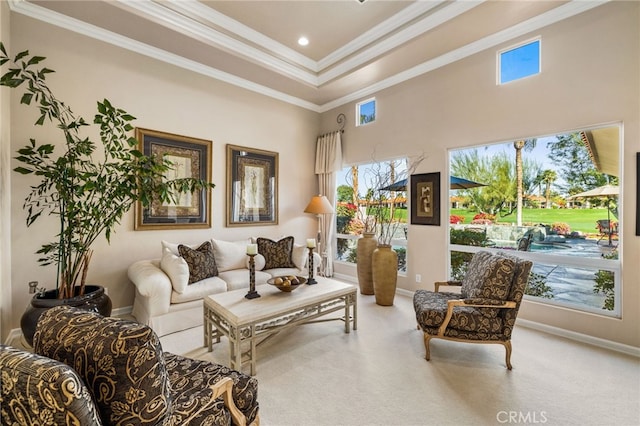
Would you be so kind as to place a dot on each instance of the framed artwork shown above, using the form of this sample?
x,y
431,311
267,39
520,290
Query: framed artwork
x,y
192,159
425,199
252,186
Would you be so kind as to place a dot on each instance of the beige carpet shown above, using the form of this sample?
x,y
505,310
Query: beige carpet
x,y
316,374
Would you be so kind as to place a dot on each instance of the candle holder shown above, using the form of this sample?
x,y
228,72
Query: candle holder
x,y
311,280
252,293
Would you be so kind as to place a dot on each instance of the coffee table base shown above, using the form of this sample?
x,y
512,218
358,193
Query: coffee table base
x,y
254,333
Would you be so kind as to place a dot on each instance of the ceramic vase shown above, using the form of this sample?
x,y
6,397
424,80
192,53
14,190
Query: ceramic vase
x,y
94,299
366,245
385,274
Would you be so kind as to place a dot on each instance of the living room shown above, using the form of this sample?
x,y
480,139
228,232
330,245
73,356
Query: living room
x,y
591,75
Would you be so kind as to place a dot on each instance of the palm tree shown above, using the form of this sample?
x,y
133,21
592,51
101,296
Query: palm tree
x,y
548,177
519,145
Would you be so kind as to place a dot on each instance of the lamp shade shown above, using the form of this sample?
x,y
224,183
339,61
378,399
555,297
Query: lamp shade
x,y
319,204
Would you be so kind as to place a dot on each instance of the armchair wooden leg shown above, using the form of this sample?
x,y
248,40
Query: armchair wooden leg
x,y
507,346
427,338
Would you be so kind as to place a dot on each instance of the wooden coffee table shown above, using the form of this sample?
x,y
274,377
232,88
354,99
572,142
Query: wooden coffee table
x,y
250,322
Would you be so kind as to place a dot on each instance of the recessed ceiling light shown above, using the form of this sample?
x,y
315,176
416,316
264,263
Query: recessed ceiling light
x,y
303,41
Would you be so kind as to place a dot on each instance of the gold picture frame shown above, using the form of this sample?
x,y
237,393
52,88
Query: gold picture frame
x,y
192,159
252,186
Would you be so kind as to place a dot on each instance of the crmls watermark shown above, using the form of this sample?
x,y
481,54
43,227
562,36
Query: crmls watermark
x,y
524,417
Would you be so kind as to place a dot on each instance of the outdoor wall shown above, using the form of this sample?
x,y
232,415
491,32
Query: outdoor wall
x,y
164,98
590,76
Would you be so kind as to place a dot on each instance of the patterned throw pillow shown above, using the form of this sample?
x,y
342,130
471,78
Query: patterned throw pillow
x,y
276,254
202,263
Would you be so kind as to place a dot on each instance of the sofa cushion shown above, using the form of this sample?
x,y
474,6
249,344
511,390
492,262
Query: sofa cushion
x,y
230,255
176,269
201,261
239,278
174,246
488,277
199,290
277,254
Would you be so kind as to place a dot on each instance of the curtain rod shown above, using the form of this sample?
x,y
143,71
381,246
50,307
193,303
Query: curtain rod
x,y
342,120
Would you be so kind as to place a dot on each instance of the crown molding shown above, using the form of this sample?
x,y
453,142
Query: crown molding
x,y
560,13
54,18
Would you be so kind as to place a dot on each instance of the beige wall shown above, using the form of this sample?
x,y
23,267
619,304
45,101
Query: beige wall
x,y
5,190
166,98
590,75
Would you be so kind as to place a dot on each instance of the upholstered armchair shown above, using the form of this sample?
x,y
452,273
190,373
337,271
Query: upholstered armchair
x,y
485,309
132,381
36,390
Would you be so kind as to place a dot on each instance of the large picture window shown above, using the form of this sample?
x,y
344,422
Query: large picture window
x,y
553,200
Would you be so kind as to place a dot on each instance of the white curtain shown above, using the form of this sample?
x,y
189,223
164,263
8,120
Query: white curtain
x,y
328,162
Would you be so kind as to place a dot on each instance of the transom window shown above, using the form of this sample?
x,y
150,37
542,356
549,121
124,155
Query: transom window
x,y
519,62
366,112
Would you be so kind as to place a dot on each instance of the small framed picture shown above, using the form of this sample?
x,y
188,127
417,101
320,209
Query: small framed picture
x,y
425,199
252,186
191,158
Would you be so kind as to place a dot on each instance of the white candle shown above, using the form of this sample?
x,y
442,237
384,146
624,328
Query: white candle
x,y
311,243
252,249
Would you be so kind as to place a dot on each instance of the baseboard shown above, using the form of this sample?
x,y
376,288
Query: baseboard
x,y
579,337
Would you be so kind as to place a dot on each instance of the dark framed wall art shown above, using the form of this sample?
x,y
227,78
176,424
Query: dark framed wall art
x,y
191,158
425,199
252,186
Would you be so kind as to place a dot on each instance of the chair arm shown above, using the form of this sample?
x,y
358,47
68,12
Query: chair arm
x,y
489,303
153,285
451,304
223,388
439,284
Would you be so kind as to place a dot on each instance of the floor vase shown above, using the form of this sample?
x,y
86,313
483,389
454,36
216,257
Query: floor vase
x,y
385,274
364,252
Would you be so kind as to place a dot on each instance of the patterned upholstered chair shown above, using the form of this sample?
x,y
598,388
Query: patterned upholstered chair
x,y
132,381
36,390
484,311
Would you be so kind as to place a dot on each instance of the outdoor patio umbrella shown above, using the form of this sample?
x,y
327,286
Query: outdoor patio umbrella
x,y
456,183
607,191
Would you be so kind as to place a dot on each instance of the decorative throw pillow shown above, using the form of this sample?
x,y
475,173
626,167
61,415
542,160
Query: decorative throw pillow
x,y
300,255
276,254
176,269
173,247
202,263
488,277
230,255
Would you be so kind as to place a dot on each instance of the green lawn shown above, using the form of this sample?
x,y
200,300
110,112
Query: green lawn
x,y
583,220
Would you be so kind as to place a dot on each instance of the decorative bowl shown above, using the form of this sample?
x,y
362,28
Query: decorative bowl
x,y
283,286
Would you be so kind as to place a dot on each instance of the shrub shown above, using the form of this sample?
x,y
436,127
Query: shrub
x,y
483,219
561,228
605,284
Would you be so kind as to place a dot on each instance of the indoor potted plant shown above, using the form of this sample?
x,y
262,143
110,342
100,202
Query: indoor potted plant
x,y
88,186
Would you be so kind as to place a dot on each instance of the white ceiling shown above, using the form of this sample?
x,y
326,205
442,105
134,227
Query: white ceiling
x,y
355,49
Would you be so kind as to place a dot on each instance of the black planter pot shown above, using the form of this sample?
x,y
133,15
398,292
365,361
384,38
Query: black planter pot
x,y
94,299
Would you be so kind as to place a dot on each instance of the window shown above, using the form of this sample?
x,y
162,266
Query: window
x,y
519,62
564,218
366,112
361,196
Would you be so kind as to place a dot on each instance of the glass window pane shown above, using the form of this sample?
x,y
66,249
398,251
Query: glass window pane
x,y
523,61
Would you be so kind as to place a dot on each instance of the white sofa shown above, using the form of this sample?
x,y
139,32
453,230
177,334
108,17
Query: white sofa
x,y
165,302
